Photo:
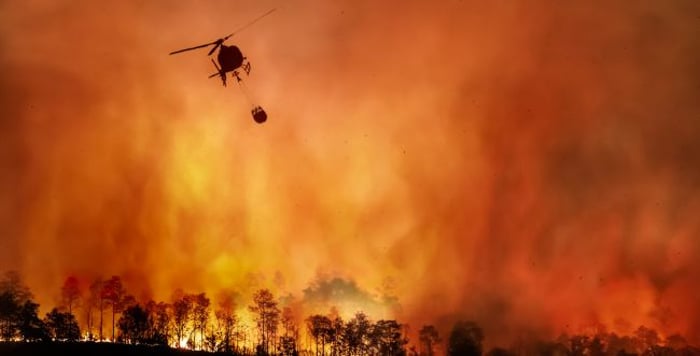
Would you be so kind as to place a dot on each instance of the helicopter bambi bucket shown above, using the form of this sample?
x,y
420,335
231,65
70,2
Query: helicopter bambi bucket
x,y
231,60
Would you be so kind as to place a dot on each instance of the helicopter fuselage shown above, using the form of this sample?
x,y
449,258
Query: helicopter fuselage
x,y
230,58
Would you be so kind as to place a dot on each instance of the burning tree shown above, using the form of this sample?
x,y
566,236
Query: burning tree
x,y
159,321
200,316
30,327
62,325
320,327
113,293
336,332
267,319
428,337
182,307
387,338
71,294
94,300
465,339
356,334
13,295
226,320
134,324
290,339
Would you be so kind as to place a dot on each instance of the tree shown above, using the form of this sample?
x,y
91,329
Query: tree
x,y
159,322
319,327
676,341
113,293
267,317
212,340
356,334
646,338
387,339
581,345
134,324
200,315
71,293
465,339
618,344
182,306
62,325
335,334
8,312
428,337
226,319
97,299
31,328
288,346
13,294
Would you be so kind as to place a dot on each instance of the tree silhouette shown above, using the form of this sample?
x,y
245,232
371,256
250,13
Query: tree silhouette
x,y
71,293
581,345
676,341
97,299
200,315
428,337
113,293
320,328
8,311
62,325
619,344
646,338
134,324
13,295
356,335
336,332
290,338
267,317
159,322
387,339
212,340
465,339
31,328
226,319
182,307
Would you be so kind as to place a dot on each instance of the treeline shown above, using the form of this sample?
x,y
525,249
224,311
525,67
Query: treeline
x,y
191,321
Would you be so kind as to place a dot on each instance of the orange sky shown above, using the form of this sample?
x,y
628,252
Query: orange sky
x,y
533,166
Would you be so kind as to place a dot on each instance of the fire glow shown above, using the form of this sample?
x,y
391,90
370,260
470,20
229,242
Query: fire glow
x,y
532,167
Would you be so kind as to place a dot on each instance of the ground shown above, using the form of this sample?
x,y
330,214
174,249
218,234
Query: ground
x,y
89,348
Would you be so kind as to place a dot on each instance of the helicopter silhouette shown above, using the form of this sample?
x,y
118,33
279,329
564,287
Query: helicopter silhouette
x,y
230,60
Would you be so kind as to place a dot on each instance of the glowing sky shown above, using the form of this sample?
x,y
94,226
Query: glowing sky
x,y
531,165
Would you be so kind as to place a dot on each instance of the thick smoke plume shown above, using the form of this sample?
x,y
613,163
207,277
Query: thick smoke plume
x,y
531,165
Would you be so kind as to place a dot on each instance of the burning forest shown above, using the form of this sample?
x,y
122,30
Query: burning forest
x,y
269,325
524,175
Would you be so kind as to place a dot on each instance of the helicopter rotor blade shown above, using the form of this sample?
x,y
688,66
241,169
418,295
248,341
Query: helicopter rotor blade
x,y
249,24
215,65
218,43
195,47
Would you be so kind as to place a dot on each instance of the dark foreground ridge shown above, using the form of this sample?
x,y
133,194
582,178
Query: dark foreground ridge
x,y
93,349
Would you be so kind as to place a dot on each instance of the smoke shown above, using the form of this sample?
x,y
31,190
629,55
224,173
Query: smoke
x,y
532,166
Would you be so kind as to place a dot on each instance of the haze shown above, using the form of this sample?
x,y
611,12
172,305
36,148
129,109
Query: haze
x,y
532,166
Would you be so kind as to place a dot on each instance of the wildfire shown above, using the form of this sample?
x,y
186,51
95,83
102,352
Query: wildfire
x,y
532,167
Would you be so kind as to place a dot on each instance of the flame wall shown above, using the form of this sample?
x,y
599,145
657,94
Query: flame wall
x,y
533,166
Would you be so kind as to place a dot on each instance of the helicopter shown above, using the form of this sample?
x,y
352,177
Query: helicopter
x,y
231,60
